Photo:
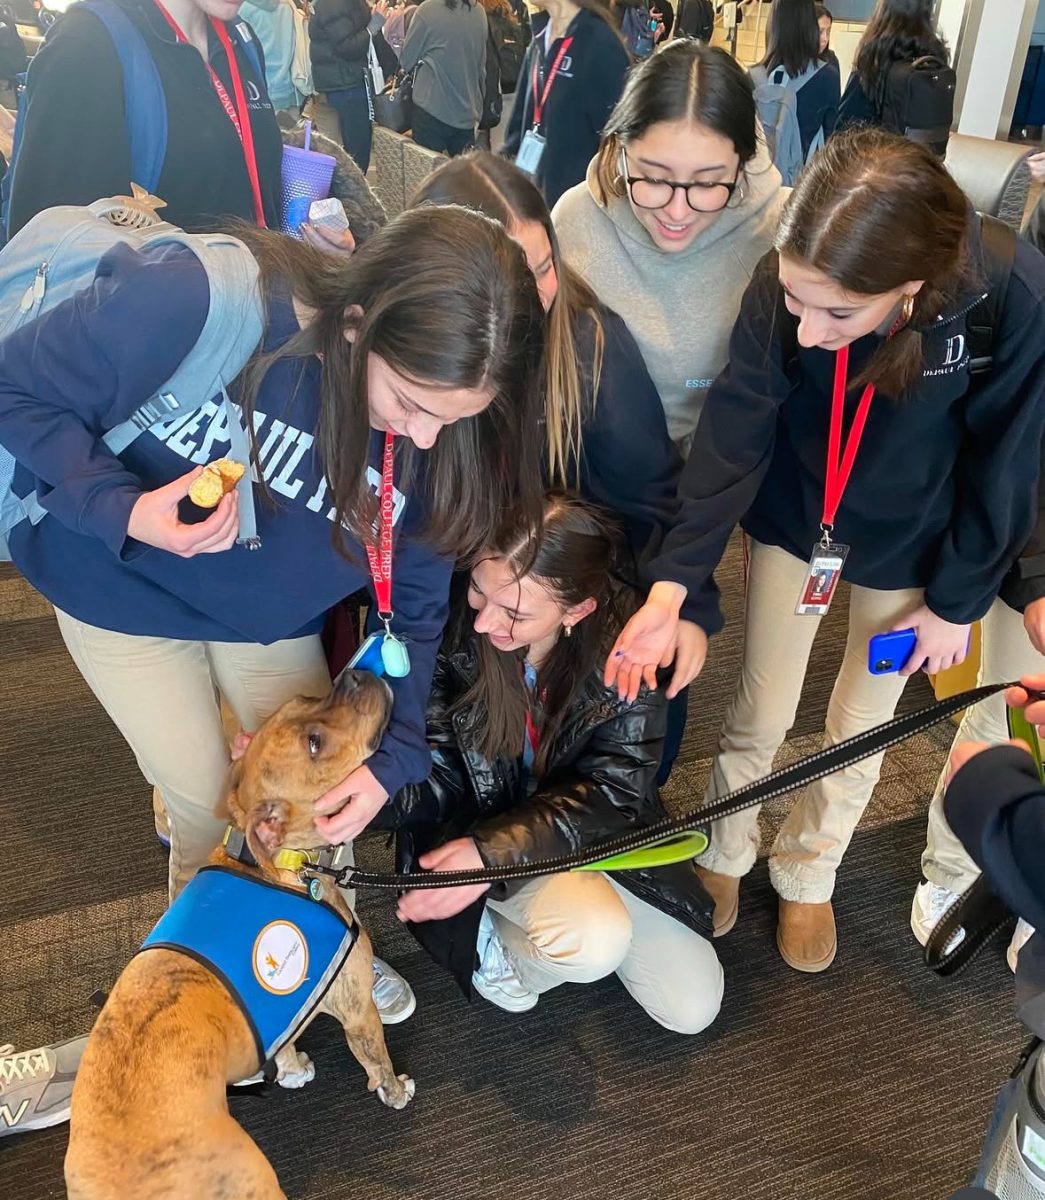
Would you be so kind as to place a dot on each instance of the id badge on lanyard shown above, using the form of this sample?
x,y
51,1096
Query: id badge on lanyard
x,y
385,647
531,149
828,557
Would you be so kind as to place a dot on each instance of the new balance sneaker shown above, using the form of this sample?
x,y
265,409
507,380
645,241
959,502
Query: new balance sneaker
x,y
931,902
36,1085
393,996
497,979
1020,938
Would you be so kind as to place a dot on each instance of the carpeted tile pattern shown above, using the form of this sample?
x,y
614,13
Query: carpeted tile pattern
x,y
870,1082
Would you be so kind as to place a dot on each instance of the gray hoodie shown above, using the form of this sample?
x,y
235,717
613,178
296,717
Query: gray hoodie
x,y
679,307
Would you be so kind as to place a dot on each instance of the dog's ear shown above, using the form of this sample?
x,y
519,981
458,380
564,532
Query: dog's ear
x,y
264,828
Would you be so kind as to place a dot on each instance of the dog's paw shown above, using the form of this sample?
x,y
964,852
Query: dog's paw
x,y
398,1097
296,1076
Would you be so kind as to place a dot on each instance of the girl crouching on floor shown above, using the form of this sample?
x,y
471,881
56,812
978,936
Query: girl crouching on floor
x,y
534,757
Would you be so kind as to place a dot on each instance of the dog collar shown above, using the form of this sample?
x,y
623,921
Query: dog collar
x,y
236,848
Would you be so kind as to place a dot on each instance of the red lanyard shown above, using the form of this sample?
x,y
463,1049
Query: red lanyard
x,y
538,105
531,733
381,556
237,113
839,462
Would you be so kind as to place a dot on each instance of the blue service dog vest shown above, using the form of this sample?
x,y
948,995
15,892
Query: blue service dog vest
x,y
275,949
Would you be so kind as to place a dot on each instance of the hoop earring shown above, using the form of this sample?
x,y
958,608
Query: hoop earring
x,y
567,631
907,311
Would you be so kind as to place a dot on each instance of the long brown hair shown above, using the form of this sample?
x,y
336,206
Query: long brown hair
x,y
898,31
872,212
571,557
498,189
793,37
447,300
686,80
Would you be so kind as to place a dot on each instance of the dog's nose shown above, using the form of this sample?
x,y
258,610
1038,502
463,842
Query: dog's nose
x,y
348,682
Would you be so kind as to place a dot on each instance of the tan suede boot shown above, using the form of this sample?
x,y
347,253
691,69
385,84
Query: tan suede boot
x,y
725,891
806,936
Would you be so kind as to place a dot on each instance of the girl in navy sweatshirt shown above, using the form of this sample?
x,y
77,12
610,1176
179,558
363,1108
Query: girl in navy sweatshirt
x,y
426,333
605,432
794,46
860,320
570,80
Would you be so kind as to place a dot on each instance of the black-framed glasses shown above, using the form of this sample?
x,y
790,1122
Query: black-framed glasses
x,y
659,193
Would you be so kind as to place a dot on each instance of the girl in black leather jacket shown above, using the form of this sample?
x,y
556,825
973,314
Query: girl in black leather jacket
x,y
534,757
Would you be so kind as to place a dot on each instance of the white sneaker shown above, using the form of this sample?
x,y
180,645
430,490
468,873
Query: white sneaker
x,y
1020,938
393,996
931,902
497,979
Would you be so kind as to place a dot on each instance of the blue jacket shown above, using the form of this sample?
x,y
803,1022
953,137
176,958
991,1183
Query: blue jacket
x,y
84,367
944,492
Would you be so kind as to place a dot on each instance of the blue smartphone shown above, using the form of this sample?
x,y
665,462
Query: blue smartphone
x,y
368,656
889,652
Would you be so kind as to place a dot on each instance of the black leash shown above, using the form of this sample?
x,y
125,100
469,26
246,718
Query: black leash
x,y
788,779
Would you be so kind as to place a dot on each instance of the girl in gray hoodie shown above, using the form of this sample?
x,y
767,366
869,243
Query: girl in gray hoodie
x,y
679,205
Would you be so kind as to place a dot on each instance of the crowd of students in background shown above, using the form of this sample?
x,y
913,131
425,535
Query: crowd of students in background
x,y
659,331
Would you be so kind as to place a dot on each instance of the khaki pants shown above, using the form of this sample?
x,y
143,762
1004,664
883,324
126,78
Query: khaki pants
x,y
163,696
1007,654
777,645
581,926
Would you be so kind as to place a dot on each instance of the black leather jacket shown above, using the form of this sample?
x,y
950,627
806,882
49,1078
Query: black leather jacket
x,y
600,782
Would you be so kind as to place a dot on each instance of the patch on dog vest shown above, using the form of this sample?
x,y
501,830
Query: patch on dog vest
x,y
275,949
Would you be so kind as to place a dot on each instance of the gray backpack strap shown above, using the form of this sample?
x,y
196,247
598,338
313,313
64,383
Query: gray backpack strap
x,y
230,335
248,521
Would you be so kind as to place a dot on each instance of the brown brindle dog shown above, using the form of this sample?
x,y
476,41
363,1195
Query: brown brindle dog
x,y
149,1116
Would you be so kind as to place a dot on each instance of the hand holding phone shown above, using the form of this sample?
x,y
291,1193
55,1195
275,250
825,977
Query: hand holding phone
x,y
890,652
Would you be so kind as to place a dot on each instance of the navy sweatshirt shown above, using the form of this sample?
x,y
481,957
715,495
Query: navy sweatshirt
x,y
86,366
629,464
76,148
587,86
943,495
856,106
996,806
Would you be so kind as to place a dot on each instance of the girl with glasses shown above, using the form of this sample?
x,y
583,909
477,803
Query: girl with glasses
x,y
861,427
680,203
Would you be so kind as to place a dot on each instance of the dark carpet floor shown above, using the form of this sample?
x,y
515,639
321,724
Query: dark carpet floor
x,y
873,1081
